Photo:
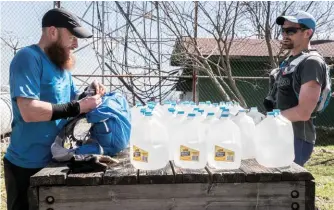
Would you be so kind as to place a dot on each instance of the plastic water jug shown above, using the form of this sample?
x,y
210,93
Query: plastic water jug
x,y
247,131
137,120
213,108
233,107
135,112
201,104
219,111
195,111
205,124
190,150
274,142
149,144
224,144
156,111
187,106
288,129
255,115
281,117
174,131
168,117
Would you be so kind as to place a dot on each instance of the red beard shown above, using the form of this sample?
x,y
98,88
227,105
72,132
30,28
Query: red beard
x,y
61,57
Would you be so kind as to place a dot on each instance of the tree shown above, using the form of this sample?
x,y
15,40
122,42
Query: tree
x,y
263,14
10,40
219,21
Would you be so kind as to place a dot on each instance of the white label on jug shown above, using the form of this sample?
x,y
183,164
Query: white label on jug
x,y
140,154
188,154
222,154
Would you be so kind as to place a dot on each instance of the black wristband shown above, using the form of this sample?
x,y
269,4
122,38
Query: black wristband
x,y
82,95
63,111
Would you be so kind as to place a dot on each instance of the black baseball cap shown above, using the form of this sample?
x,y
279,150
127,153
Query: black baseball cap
x,y
61,18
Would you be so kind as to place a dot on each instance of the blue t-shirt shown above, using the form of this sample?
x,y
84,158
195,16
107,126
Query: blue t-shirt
x,y
33,75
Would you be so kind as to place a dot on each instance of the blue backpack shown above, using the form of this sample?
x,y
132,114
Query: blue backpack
x,y
108,132
111,123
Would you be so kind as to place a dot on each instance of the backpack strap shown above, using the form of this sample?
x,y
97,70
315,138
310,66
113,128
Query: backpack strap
x,y
296,64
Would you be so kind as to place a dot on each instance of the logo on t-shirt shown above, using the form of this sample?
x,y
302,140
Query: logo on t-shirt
x,y
283,81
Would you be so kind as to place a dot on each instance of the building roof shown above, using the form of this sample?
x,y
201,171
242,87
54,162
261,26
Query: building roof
x,y
254,47
241,48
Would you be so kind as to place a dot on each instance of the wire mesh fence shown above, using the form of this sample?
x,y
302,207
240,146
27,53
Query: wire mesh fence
x,y
170,50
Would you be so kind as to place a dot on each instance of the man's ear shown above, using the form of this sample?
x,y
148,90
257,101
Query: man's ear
x,y
309,33
53,33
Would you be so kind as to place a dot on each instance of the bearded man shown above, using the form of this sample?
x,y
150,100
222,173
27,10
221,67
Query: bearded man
x,y
43,97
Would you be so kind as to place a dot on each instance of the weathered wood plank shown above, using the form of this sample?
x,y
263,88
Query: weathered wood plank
x,y
195,176
53,174
33,198
269,195
309,195
226,176
124,154
84,179
191,175
255,172
295,173
178,176
168,204
122,172
161,176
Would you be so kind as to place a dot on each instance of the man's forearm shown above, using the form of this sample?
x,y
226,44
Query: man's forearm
x,y
296,114
39,111
34,110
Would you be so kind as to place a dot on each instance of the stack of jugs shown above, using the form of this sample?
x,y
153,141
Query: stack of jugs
x,y
274,141
193,136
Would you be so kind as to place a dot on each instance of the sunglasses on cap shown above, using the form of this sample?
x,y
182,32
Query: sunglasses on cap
x,y
291,30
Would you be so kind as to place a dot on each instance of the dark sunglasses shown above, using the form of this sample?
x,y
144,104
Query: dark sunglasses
x,y
291,30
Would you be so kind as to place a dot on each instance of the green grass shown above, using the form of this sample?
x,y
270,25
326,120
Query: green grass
x,y
321,165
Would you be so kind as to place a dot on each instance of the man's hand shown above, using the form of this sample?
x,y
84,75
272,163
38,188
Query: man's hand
x,y
98,87
89,103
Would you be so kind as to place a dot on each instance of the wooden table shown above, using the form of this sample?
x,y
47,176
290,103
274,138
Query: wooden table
x,y
122,187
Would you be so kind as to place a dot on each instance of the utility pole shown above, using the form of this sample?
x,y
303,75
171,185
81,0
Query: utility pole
x,y
195,72
159,50
103,42
56,4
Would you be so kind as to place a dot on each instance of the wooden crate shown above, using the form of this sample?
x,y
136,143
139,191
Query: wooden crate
x,y
123,187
